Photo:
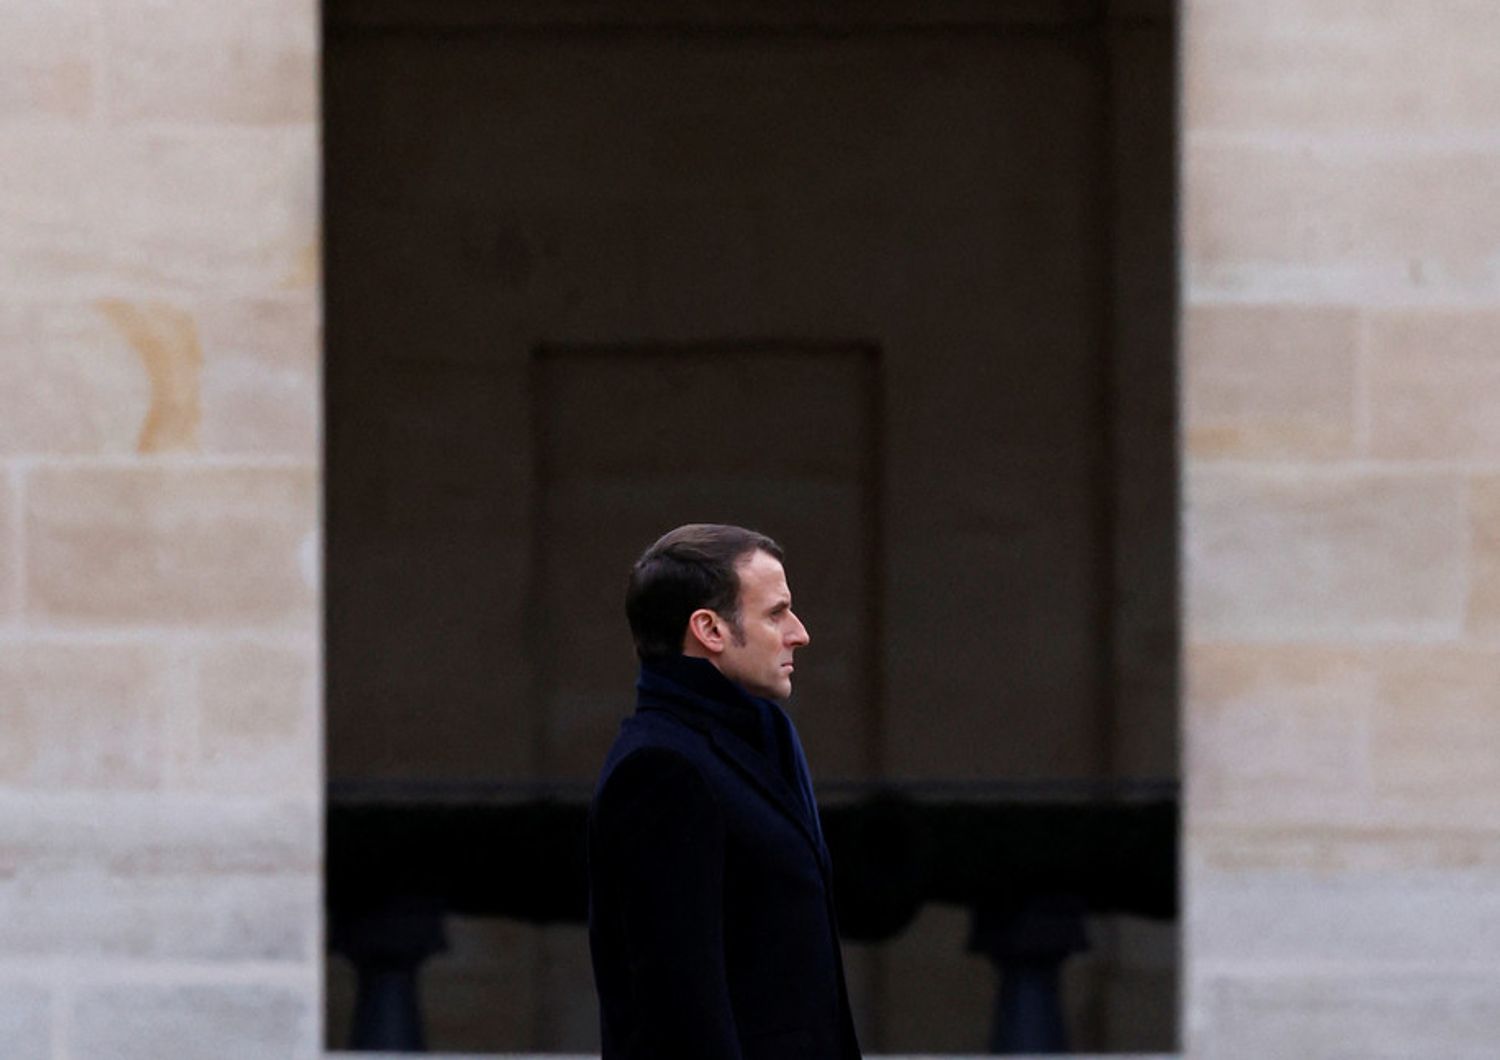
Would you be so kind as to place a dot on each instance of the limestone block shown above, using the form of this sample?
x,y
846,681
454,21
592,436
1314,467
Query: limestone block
x,y
138,833
1285,736
80,717
113,375
166,338
1337,850
1434,383
106,213
193,1021
47,53
152,878
171,545
1342,66
192,918
1370,920
174,60
1484,562
1351,1015
1434,735
261,390
25,1021
1290,553
1339,222
1278,734
1296,899
1264,381
87,390
10,543
257,720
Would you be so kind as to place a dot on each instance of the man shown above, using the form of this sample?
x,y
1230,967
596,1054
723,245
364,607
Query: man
x,y
711,918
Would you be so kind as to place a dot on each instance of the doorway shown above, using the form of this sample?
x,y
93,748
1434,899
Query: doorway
x,y
892,283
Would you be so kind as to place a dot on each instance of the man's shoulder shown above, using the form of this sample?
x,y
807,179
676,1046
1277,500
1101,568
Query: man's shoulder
x,y
652,769
660,728
655,738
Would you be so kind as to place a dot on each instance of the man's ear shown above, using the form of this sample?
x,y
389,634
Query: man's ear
x,y
705,630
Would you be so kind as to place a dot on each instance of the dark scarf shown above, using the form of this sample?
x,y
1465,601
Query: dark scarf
x,y
760,723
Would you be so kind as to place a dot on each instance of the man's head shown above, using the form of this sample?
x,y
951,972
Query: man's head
x,y
719,593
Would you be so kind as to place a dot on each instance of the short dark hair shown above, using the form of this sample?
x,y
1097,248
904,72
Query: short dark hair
x,y
688,568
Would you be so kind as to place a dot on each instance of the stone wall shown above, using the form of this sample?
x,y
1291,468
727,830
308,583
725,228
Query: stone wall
x,y
159,643
1342,281
160,765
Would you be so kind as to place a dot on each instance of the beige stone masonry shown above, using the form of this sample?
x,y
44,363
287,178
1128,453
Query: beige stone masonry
x,y
1283,553
1350,1015
188,922
1433,377
85,716
1320,851
158,878
11,559
166,340
157,214
257,712
116,376
1252,390
1398,918
1345,737
50,72
1312,221
1337,67
172,545
220,1022
87,390
260,388
25,1021
1342,528
1279,735
181,61
160,765
1484,563
1435,738
155,831
1299,913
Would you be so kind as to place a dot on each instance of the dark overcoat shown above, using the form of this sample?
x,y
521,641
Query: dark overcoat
x,y
711,920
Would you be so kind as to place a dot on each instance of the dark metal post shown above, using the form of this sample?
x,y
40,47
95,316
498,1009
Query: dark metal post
x,y
1028,946
388,941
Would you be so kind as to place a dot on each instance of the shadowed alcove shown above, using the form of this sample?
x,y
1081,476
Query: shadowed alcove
x,y
894,283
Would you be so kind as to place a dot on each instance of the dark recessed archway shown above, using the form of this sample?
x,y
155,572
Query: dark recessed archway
x,y
929,249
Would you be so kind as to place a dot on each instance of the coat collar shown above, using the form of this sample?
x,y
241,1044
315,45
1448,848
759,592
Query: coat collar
x,y
736,723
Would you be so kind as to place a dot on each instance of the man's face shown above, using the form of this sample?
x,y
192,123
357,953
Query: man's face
x,y
760,658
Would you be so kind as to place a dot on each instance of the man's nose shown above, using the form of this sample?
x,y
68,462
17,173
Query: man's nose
x,y
799,636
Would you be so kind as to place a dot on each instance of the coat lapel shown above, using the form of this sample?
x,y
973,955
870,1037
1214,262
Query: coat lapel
x,y
753,765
